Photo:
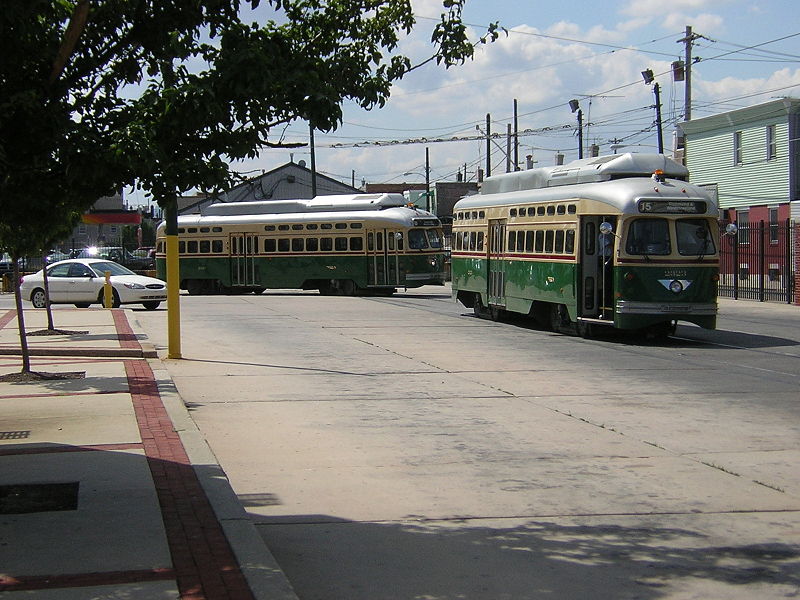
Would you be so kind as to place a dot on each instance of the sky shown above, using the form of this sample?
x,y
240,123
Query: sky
x,y
593,52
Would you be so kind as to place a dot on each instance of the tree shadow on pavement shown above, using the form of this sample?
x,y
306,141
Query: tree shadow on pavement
x,y
336,560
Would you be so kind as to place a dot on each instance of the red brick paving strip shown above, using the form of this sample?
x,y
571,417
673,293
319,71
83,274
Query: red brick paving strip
x,y
7,318
204,565
204,562
127,339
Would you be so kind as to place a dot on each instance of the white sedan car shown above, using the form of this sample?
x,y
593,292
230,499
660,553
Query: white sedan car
x,y
80,281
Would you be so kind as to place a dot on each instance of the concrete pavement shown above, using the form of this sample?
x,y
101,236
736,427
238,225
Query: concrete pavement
x,y
107,488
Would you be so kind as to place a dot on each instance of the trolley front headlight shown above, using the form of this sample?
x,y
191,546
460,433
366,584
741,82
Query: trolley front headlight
x,y
676,287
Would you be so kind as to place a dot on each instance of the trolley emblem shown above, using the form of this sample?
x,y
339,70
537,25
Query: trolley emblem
x,y
675,285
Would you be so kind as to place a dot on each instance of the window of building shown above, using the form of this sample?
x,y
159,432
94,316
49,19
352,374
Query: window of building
x,y
737,147
743,222
772,147
773,225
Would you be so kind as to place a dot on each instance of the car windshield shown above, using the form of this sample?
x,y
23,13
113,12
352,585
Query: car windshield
x,y
101,267
648,236
694,237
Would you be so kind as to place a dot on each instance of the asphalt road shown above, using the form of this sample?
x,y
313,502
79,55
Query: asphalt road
x,y
399,448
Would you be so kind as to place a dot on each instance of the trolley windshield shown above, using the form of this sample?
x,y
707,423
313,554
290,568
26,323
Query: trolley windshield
x,y
422,239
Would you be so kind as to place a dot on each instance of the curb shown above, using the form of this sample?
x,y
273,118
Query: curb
x,y
146,351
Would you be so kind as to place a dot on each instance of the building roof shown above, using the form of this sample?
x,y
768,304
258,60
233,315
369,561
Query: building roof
x,y
775,109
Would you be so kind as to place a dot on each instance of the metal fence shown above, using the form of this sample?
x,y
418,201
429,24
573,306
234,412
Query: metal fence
x,y
758,262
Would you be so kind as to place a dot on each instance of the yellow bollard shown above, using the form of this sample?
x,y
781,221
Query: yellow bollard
x,y
107,291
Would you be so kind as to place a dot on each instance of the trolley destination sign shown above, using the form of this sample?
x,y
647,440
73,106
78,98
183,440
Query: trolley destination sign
x,y
685,207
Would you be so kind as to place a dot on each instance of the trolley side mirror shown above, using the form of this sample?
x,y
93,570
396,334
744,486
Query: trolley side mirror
x,y
606,228
731,229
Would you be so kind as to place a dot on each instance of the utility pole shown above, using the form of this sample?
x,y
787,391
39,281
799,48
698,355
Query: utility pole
x,y
488,145
688,39
508,148
313,165
428,202
516,138
657,91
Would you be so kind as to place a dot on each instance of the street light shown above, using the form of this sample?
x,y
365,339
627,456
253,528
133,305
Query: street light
x,y
648,77
575,106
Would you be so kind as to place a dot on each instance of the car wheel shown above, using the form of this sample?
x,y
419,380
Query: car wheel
x,y
154,304
38,299
115,302
82,305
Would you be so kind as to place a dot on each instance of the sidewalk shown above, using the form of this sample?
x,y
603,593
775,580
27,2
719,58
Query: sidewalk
x,y
107,488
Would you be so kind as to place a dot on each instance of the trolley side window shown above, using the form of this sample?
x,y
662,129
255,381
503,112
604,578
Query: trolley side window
x,y
694,237
648,236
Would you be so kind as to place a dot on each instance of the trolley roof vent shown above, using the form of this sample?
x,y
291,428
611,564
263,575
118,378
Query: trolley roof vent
x,y
602,168
318,204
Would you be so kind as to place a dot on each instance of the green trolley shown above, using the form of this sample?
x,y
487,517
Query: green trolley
x,y
618,241
355,244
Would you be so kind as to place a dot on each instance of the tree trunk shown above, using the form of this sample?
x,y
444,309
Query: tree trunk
x,y
23,340
47,305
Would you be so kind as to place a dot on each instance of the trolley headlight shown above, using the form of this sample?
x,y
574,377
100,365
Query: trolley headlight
x,y
432,261
676,286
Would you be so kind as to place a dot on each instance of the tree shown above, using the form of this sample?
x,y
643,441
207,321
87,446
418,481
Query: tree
x,y
215,88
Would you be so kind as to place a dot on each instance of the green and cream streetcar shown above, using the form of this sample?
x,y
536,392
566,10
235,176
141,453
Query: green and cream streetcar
x,y
362,243
620,241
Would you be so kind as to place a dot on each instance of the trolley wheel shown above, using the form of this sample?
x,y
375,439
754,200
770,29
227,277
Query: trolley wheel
x,y
559,317
585,330
259,290
478,308
496,313
195,287
347,287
